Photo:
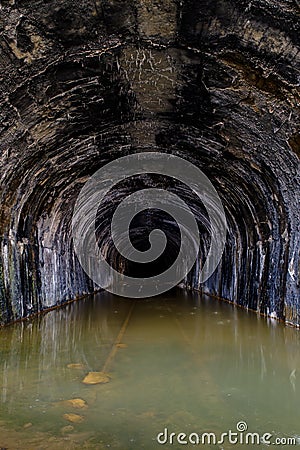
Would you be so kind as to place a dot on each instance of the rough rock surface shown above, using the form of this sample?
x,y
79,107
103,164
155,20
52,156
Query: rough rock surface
x,y
213,81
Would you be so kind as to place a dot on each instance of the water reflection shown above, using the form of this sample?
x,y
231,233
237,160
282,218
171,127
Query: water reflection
x,y
188,362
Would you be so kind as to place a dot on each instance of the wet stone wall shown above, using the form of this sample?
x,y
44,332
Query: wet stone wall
x,y
213,81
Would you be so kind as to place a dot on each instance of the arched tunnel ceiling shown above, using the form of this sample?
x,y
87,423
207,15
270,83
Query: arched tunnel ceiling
x,y
213,81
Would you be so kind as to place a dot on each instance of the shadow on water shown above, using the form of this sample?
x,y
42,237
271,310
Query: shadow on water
x,y
184,362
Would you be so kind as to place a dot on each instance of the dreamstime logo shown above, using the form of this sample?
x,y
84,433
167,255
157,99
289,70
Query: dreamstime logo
x,y
240,436
98,186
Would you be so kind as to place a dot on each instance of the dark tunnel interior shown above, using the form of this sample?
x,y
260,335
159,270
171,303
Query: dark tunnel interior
x,y
213,82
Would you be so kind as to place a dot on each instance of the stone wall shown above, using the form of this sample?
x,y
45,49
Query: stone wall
x,y
213,81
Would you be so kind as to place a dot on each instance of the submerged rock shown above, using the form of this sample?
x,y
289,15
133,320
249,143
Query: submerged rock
x,y
77,403
96,378
74,418
67,429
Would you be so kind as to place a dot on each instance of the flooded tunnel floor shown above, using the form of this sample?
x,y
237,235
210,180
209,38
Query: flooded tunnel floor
x,y
187,363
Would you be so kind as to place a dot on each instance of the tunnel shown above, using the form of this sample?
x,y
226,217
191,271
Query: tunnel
x,y
214,82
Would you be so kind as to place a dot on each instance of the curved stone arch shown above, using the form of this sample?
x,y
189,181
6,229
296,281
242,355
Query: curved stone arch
x,y
213,82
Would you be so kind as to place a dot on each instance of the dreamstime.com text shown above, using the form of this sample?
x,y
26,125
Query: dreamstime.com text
x,y
241,436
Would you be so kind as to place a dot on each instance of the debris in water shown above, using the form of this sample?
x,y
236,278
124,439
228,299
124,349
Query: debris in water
x,y
121,345
75,366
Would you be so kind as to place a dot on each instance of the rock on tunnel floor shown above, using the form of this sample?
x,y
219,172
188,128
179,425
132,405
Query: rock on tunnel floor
x,y
214,82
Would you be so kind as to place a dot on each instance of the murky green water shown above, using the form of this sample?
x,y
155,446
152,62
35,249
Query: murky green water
x,y
189,364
